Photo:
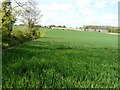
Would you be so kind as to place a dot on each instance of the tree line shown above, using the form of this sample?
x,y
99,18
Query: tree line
x,y
95,27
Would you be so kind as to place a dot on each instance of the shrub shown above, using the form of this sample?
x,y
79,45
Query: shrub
x,y
5,45
40,33
21,34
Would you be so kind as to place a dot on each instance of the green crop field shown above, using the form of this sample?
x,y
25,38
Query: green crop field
x,y
63,59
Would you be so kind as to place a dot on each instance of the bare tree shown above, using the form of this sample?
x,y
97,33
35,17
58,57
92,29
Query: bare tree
x,y
31,15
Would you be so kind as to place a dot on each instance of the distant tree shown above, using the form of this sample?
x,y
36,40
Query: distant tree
x,y
59,26
45,26
64,26
53,26
31,15
50,26
85,28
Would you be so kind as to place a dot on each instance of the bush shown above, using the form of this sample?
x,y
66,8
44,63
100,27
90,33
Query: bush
x,y
22,35
5,45
40,33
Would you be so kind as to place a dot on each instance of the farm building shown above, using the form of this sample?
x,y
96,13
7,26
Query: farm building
x,y
104,31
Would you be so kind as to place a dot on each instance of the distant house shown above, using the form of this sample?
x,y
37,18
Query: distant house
x,y
91,30
104,31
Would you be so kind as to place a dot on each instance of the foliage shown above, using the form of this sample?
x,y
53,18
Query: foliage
x,y
21,33
7,16
7,21
63,59
40,33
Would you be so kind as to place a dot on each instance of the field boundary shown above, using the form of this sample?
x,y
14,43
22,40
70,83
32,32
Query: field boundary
x,y
114,33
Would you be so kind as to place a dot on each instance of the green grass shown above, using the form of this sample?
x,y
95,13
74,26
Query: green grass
x,y
63,59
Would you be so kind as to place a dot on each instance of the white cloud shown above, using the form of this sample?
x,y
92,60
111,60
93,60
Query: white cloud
x,y
86,7
109,18
88,11
79,13
92,13
58,19
100,4
83,3
55,7
59,13
105,19
115,1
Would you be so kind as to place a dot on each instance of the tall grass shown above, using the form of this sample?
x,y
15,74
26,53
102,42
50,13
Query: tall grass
x,y
63,59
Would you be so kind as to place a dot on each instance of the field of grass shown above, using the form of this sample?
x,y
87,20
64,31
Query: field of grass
x,y
63,59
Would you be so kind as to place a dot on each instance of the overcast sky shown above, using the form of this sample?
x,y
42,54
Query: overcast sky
x,y
75,13
79,12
